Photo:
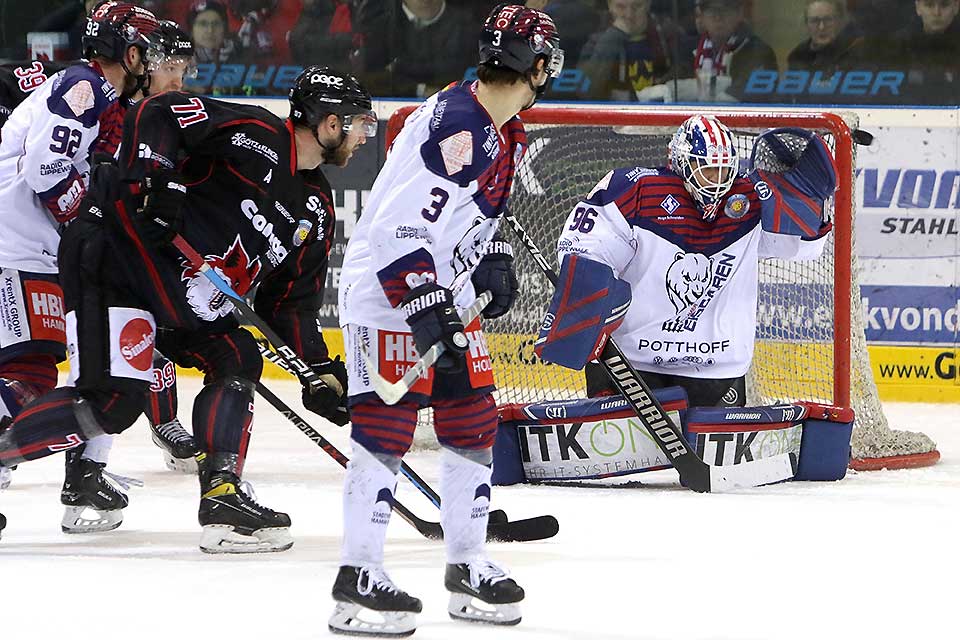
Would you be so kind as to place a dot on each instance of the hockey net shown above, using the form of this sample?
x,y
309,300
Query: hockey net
x,y
811,341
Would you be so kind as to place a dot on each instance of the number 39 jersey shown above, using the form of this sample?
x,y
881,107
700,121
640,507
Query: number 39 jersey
x,y
45,160
433,208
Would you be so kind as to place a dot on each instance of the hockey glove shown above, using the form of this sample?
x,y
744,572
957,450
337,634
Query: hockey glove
x,y
330,400
495,274
433,318
161,217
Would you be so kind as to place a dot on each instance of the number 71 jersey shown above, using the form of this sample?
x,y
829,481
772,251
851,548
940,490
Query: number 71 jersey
x,y
433,209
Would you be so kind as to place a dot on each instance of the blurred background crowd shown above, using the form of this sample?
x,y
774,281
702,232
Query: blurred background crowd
x,y
758,51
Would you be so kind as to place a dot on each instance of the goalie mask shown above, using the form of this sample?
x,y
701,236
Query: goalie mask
x,y
515,37
703,154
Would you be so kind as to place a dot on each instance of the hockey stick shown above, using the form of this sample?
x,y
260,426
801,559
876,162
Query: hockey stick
x,y
517,531
694,473
499,527
392,392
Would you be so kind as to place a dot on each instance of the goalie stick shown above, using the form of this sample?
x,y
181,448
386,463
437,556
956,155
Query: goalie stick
x,y
524,530
393,392
694,473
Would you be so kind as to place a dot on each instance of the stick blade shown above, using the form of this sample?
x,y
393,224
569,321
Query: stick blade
x,y
526,530
753,474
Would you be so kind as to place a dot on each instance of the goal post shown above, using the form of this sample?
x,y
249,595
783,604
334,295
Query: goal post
x,y
811,340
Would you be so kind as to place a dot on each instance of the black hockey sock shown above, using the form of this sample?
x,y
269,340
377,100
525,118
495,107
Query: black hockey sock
x,y
222,417
48,425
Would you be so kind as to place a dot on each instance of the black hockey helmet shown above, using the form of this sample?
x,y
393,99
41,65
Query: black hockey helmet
x,y
172,44
319,91
514,37
115,26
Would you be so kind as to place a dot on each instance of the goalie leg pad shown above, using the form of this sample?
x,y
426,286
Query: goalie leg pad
x,y
589,303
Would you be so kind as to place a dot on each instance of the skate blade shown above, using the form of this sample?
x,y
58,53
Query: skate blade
x,y
353,620
466,607
74,522
180,465
6,476
221,538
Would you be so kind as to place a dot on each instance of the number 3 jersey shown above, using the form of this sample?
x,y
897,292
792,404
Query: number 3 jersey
x,y
45,151
433,209
694,282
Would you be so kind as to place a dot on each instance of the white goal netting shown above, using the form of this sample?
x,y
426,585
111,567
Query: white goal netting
x,y
807,312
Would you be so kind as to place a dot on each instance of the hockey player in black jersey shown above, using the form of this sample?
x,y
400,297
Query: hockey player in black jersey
x,y
169,61
242,187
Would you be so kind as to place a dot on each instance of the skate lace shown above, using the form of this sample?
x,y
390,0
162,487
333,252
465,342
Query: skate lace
x,y
125,482
486,571
174,432
376,578
246,488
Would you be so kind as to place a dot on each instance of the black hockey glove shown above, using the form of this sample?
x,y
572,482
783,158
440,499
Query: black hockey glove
x,y
433,318
161,217
329,401
495,274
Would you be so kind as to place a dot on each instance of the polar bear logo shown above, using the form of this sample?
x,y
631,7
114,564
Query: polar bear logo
x,y
687,278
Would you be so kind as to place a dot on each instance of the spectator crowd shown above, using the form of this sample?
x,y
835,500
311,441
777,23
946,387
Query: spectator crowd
x,y
616,50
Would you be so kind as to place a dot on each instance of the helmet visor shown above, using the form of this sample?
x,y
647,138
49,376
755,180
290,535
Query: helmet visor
x,y
365,122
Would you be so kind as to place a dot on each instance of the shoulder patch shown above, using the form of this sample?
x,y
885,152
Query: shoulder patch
x,y
80,98
457,151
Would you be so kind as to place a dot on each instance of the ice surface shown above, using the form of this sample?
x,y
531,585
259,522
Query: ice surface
x,y
874,556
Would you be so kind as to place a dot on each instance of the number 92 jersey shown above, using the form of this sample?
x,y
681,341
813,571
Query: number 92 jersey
x,y
433,209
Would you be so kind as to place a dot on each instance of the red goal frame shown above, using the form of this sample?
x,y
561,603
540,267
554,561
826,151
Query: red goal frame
x,y
743,119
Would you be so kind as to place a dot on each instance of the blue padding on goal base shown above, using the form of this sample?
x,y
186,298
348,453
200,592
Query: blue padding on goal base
x,y
825,444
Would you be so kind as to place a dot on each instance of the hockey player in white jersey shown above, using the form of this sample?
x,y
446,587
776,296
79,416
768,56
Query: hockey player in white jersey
x,y
426,244
46,153
683,242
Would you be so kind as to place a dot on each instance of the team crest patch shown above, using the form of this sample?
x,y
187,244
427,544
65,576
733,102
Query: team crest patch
x,y
79,98
234,266
457,151
670,204
737,206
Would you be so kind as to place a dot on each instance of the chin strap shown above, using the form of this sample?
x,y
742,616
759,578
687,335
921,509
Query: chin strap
x,y
142,81
537,91
329,150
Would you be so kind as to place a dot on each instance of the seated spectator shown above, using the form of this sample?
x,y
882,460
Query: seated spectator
x,y
834,44
325,35
415,47
929,51
207,26
71,19
576,22
879,19
262,28
728,51
630,55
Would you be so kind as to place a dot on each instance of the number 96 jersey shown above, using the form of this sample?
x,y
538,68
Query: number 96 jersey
x,y
433,209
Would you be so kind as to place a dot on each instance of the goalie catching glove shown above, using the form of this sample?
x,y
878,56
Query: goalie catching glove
x,y
589,303
330,399
161,217
433,318
495,274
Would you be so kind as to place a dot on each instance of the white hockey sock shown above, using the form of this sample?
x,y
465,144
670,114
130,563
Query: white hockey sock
x,y
98,448
368,493
465,503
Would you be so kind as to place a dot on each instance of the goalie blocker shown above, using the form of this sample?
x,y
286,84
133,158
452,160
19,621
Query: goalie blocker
x,y
575,440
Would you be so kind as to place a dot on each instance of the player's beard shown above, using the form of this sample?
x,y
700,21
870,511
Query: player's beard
x,y
338,156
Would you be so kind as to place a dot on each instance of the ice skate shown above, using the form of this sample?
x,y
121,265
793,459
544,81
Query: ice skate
x,y
480,591
178,446
85,488
233,522
369,604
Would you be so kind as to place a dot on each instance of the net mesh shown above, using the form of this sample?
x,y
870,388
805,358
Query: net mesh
x,y
794,356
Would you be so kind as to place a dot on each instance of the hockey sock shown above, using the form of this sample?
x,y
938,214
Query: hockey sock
x,y
368,493
465,502
53,423
98,448
223,417
161,400
23,379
